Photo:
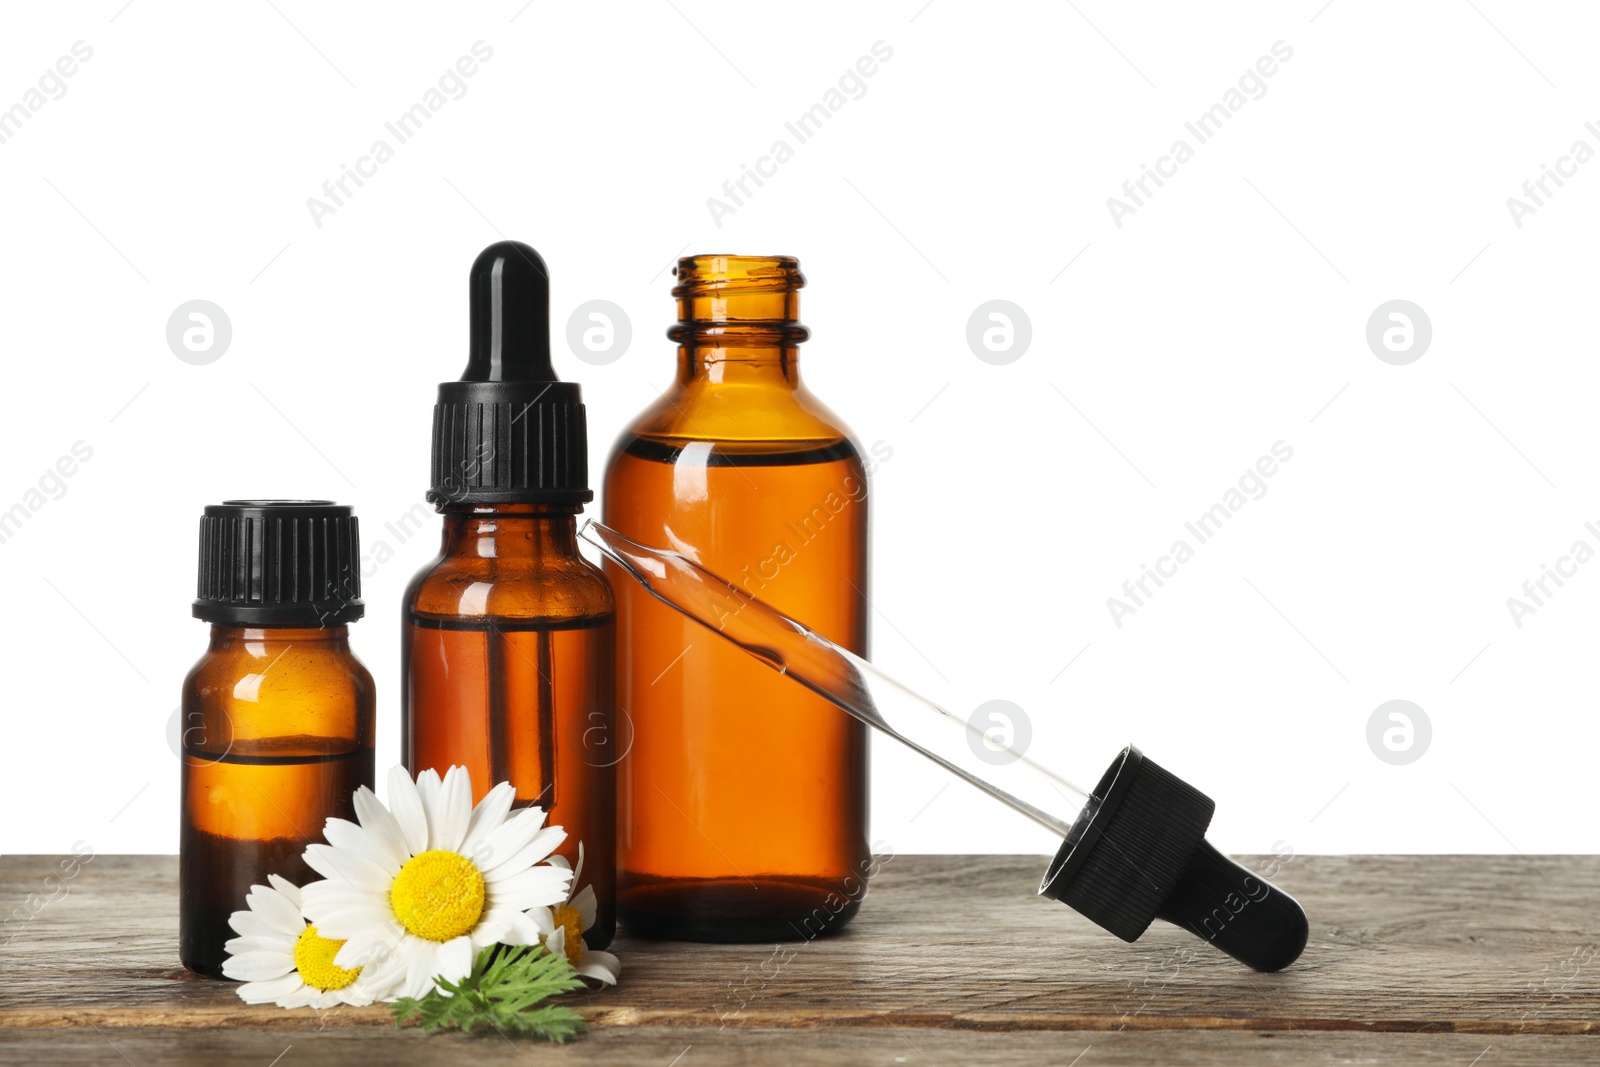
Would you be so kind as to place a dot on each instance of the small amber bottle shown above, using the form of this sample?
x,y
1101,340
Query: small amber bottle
x,y
508,633
742,804
277,716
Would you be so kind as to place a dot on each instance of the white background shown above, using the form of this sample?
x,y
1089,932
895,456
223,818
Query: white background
x,y
1227,314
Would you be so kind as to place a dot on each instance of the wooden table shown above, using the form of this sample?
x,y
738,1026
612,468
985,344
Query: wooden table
x,y
1459,960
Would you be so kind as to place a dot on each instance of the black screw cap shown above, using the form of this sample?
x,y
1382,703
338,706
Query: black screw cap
x,y
279,563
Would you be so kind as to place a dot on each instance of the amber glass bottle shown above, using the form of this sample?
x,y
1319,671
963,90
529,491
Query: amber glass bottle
x,y
743,798
277,716
508,672
508,634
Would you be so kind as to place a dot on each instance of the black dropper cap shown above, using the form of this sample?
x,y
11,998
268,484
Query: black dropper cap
x,y
508,432
1138,852
279,563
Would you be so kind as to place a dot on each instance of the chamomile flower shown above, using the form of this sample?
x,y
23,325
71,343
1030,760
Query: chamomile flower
x,y
283,961
562,928
429,881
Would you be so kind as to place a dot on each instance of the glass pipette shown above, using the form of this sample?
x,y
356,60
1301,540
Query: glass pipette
x,y
1134,847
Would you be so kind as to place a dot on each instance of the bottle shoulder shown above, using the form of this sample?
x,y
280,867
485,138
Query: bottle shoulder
x,y
544,587
306,662
256,690
737,414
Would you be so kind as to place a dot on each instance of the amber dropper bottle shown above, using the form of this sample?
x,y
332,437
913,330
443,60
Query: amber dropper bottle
x,y
508,635
277,716
743,799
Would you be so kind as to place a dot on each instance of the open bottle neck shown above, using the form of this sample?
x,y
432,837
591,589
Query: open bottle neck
x,y
746,365
738,320
510,531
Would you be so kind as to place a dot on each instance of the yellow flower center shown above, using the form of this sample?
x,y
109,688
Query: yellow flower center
x,y
570,919
313,958
438,895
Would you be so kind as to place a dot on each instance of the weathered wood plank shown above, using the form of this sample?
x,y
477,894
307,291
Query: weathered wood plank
x,y
679,1047
1487,945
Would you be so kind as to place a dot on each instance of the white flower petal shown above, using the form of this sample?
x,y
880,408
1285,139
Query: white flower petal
x,y
543,918
338,898
340,922
519,844
286,887
492,929
577,872
455,958
328,910
275,908
258,966
406,805
587,905
381,827
447,826
514,927
510,837
387,975
238,946
487,817
370,947
345,835
530,888
323,894
336,864
249,924
303,997
386,978
269,992
350,922
356,995
377,982
323,999
602,966
421,961
428,787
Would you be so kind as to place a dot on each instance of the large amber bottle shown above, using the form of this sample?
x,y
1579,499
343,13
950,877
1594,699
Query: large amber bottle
x,y
742,802
507,648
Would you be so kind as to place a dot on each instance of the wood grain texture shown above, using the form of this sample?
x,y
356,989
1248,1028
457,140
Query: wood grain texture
x,y
1440,956
673,1046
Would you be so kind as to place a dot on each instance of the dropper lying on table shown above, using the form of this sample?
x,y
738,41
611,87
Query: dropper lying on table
x,y
1134,849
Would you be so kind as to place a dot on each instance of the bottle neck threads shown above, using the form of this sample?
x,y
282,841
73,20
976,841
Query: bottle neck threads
x,y
738,307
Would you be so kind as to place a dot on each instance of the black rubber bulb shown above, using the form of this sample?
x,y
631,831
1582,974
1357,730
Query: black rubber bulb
x,y
510,316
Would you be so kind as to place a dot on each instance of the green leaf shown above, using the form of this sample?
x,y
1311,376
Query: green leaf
x,y
500,994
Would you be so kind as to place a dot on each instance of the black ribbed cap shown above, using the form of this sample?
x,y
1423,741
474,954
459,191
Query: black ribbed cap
x,y
279,563
508,432
1137,852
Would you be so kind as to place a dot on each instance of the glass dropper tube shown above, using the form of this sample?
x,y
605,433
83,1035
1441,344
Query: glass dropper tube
x,y
845,679
1134,851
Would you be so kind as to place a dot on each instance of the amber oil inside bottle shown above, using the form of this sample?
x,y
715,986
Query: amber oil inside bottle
x,y
277,735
